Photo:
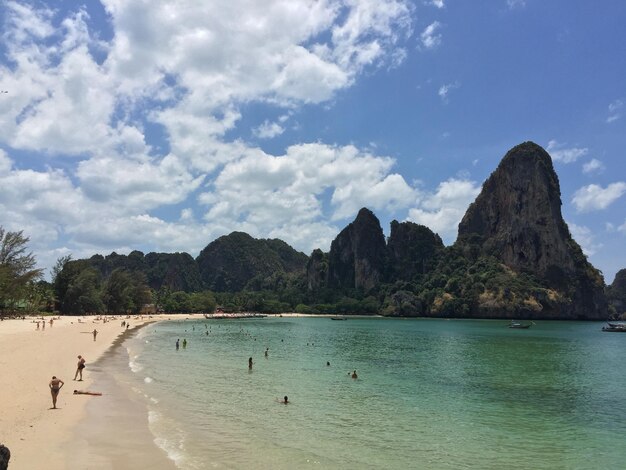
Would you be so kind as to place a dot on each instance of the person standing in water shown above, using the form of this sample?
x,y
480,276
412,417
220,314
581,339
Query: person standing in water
x,y
354,376
55,386
177,344
184,343
250,363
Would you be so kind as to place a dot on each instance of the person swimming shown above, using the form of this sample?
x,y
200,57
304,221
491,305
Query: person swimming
x,y
286,400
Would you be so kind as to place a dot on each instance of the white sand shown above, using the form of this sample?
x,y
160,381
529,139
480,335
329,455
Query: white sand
x,y
38,436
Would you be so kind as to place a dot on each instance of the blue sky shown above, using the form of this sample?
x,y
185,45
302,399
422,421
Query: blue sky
x,y
160,126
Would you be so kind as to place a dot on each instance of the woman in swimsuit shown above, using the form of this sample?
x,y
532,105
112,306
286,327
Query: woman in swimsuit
x,y
55,386
79,368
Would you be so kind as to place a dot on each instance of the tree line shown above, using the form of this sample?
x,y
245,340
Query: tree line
x,y
78,288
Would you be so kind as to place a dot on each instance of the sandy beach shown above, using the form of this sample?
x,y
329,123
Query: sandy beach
x,y
38,436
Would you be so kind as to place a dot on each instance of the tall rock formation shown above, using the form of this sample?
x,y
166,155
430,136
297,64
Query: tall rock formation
x,y
517,219
175,271
228,263
412,251
616,293
316,270
357,256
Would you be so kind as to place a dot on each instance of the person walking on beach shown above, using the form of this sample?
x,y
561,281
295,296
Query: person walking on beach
x,y
95,333
55,386
79,368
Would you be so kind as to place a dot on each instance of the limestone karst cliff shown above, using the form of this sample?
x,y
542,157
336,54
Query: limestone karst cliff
x,y
358,255
517,219
412,251
228,263
616,294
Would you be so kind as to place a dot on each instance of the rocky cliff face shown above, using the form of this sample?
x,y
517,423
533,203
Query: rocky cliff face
x,y
616,293
357,256
412,250
316,270
517,219
228,263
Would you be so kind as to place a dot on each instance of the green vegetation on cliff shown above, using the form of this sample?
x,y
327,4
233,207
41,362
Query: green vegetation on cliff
x,y
514,258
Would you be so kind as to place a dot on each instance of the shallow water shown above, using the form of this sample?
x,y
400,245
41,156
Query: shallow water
x,y
430,393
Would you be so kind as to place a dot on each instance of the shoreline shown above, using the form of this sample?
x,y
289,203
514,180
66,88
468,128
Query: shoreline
x,y
114,431
37,435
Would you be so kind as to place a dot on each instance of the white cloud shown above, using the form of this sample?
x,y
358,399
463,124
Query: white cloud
x,y
136,185
560,153
515,4
190,61
585,238
444,90
594,197
437,3
277,194
593,166
188,70
268,130
443,210
615,111
23,22
430,38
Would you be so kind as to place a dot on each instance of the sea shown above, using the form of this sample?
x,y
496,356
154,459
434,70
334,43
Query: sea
x,y
429,393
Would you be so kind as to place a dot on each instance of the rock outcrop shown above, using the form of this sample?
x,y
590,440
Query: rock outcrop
x,y
616,293
317,270
358,255
231,261
412,251
517,219
174,271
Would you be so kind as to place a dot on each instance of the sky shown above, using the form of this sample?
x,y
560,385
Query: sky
x,y
161,125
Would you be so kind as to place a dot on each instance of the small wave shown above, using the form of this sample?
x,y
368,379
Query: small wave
x,y
173,447
148,380
154,400
135,367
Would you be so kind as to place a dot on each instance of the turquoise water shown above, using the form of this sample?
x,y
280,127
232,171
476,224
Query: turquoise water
x,y
430,393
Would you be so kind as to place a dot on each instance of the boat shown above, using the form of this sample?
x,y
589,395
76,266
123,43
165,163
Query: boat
x,y
338,318
615,327
518,325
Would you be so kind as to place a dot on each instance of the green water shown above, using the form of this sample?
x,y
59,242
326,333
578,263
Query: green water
x,y
430,394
